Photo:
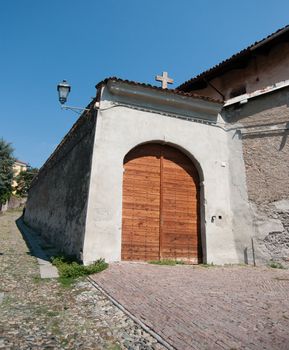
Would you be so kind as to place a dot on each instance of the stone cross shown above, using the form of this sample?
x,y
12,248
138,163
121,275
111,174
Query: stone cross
x,y
164,79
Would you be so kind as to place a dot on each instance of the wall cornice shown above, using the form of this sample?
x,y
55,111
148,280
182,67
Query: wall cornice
x,y
161,101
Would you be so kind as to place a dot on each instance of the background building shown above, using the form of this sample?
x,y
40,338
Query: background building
x,y
18,166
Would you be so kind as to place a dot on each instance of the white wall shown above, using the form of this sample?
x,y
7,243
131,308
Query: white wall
x,y
121,128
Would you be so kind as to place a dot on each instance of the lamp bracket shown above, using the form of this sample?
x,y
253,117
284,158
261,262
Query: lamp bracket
x,y
77,110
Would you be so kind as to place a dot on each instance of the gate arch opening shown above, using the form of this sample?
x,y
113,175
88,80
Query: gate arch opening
x,y
160,205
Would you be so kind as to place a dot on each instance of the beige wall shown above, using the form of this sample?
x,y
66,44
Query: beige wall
x,y
266,157
265,149
262,71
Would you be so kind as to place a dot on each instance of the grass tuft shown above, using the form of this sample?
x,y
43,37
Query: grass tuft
x,y
207,265
66,282
169,262
275,265
70,269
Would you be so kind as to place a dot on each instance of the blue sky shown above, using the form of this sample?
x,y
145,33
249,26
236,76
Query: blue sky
x,y
44,42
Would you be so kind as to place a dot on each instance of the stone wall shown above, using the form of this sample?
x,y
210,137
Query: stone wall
x,y
16,202
264,123
13,203
57,200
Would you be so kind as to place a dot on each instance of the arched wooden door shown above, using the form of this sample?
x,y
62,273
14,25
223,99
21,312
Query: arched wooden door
x,y
160,216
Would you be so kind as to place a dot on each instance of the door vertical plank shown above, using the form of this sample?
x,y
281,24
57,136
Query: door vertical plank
x,y
180,209
161,204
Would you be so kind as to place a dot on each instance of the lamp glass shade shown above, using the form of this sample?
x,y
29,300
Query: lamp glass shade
x,y
63,89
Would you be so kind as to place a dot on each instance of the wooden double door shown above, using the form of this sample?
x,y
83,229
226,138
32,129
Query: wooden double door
x,y
160,216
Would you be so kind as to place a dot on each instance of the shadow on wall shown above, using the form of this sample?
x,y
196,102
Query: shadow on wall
x,y
246,256
285,137
283,133
262,117
38,248
262,106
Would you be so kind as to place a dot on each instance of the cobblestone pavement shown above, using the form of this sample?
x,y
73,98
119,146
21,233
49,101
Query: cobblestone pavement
x,y
195,307
42,314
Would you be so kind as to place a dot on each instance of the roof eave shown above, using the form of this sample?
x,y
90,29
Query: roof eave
x,y
123,94
157,88
235,61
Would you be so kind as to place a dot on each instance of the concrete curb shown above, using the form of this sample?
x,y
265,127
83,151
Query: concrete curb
x,y
130,315
47,270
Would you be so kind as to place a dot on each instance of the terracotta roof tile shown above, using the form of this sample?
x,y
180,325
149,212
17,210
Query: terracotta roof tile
x,y
158,88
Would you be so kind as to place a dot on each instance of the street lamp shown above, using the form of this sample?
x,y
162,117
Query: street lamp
x,y
63,89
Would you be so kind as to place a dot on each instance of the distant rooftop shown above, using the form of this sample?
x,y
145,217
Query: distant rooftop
x,y
20,162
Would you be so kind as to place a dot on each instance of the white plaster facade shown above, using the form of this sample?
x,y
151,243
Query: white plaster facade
x,y
130,115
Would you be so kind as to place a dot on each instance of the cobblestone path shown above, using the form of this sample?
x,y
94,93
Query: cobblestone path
x,y
205,308
42,314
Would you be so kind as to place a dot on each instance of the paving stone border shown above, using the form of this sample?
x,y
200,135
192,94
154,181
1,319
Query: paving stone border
x,y
135,319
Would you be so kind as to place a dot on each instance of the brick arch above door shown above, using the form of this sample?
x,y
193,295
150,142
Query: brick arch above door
x,y
161,205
